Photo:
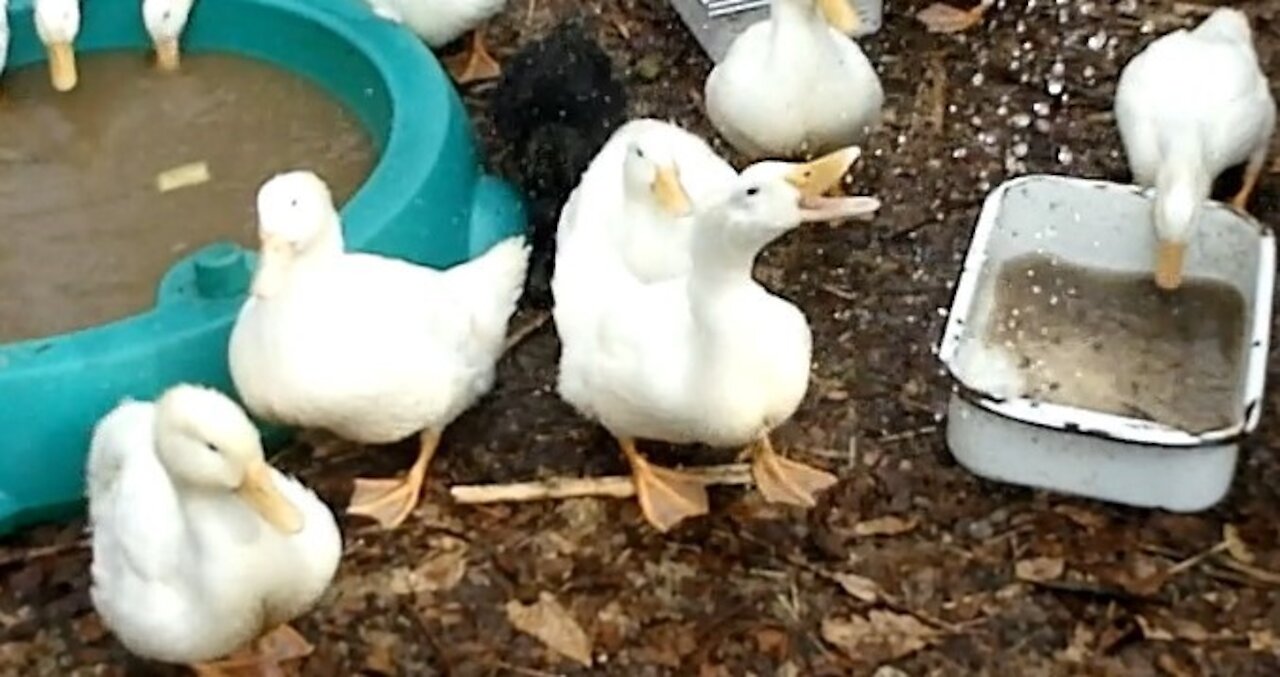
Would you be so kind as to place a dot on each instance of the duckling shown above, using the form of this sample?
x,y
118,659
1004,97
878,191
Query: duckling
x,y
555,106
795,84
199,546
165,21
58,24
371,348
1189,106
710,356
440,22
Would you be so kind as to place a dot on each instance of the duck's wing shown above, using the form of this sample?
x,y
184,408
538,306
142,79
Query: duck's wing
x,y
138,534
133,510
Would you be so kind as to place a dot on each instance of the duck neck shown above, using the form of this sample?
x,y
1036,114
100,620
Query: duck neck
x,y
327,246
795,26
641,208
721,272
1183,167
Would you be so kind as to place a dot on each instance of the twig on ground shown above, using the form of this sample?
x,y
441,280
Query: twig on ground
x,y
525,330
1260,575
907,434
32,554
613,486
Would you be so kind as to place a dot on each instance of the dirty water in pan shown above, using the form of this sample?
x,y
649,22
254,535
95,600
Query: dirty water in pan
x,y
1114,342
87,233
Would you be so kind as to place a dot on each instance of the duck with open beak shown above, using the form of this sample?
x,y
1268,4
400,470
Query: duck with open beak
x,y
165,21
58,24
711,356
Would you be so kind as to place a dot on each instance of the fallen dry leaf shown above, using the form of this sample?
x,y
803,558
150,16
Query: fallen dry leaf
x,y
1175,667
1081,646
1264,641
444,568
890,525
1040,569
879,637
859,587
1235,545
943,18
773,642
551,624
1171,629
1082,517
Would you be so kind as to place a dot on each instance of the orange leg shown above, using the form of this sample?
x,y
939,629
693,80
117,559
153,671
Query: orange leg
x,y
1252,172
666,496
782,480
475,64
281,645
391,501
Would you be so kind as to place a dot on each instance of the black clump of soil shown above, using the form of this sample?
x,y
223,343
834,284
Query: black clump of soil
x,y
556,105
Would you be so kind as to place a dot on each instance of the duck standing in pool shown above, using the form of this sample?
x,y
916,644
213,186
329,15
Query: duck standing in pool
x,y
165,21
440,22
199,546
371,348
57,25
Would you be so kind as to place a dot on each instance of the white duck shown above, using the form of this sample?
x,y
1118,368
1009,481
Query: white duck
x,y
1190,105
165,20
795,84
440,22
371,348
636,196
199,546
57,25
4,35
710,356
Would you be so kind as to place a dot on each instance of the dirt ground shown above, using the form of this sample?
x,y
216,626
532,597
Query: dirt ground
x,y
910,566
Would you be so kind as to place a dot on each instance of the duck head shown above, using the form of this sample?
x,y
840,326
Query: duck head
x,y
769,199
205,441
650,170
838,13
1181,187
1175,215
58,24
165,20
296,220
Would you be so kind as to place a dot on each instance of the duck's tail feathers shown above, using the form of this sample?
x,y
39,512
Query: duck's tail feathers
x,y
495,280
126,430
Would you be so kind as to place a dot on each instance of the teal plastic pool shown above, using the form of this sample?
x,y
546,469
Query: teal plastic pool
x,y
426,200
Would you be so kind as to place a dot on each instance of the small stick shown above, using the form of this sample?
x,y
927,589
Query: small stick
x,y
613,486
525,330
32,554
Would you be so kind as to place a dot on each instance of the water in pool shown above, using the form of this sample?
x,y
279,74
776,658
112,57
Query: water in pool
x,y
87,234
1114,342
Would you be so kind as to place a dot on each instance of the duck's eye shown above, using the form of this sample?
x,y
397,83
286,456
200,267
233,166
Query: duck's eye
x,y
639,153
293,202
752,191
210,448
168,14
